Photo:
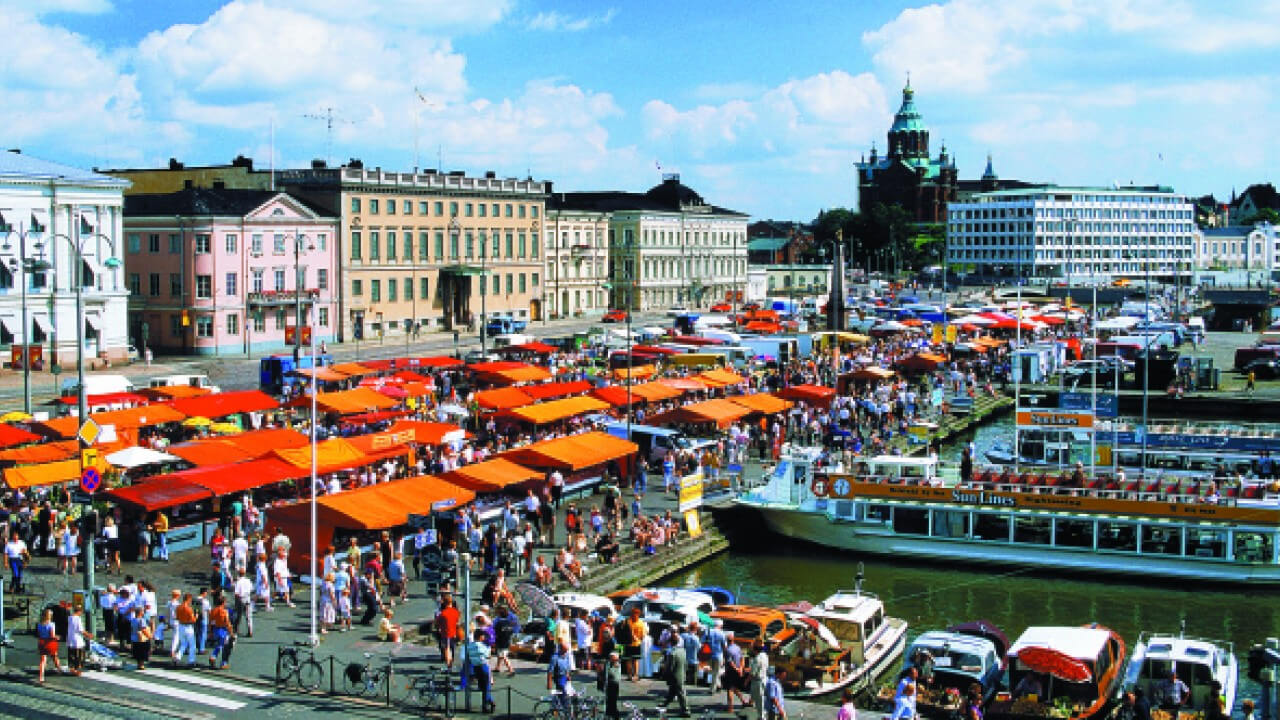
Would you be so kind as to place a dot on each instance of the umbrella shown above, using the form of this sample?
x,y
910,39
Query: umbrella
x,y
197,422
535,598
15,416
1055,663
451,409
132,457
225,428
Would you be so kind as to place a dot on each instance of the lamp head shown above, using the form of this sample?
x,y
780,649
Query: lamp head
x,y
112,263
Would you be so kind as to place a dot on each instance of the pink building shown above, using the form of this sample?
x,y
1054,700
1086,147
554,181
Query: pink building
x,y
216,271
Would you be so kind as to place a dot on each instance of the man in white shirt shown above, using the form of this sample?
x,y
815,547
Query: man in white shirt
x,y
335,486
243,607
240,551
15,551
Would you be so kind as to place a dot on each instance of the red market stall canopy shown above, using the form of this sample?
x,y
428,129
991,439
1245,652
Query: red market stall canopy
x,y
408,376
42,453
438,361
528,373
347,402
554,410
429,433
224,404
238,477
573,452
10,436
546,391
503,398
762,326
1055,663
539,348
351,369
718,378
616,395
761,403
237,448
129,419
119,398
686,384
812,394
721,412
173,392
158,494
321,374
921,362
491,475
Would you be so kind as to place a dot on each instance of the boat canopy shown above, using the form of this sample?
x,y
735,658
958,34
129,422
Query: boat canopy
x,y
1082,643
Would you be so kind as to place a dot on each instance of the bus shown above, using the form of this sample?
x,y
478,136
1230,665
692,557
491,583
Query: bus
x,y
273,371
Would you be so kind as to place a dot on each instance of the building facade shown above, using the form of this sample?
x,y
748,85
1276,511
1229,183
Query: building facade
x,y
55,220
217,271
1075,234
906,175
238,174
577,256
427,250
668,246
1238,247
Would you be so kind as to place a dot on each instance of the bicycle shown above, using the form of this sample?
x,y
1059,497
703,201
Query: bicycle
x,y
432,692
365,679
558,706
308,672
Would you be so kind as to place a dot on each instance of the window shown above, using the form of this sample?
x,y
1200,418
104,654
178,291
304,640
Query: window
x,y
422,208
175,285
322,316
453,246
373,206
534,280
408,288
533,211
497,247
483,209
175,325
522,285
471,245
511,247
392,287
231,284
467,210
204,326
520,211
255,244
496,212
175,244
257,280
357,288
375,245
135,243
408,246
391,207
323,240
277,244
135,284
508,209
202,244
497,283
233,324
375,291
422,247
439,208
440,246
280,318
204,286
424,285
232,242
523,245
533,244
322,278
355,205
510,283
154,281
391,245
259,322
279,280
453,209
355,245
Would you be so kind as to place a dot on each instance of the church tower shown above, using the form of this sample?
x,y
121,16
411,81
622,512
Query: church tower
x,y
908,137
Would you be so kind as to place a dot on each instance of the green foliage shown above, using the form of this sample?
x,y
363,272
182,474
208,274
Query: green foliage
x,y
1267,215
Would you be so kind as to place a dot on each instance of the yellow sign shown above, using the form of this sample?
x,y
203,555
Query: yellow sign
x,y
89,457
690,492
692,523
1051,419
937,333
951,333
89,431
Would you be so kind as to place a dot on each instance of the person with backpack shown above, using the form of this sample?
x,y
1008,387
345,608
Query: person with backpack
x,y
476,659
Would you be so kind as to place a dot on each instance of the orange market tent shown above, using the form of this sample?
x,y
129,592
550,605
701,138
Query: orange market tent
x,y
351,369
761,403
436,361
429,433
237,448
503,398
348,402
920,362
637,372
546,391
684,384
238,477
53,473
129,419
322,374
376,507
762,326
160,493
491,475
42,453
654,391
173,392
812,394
331,453
554,410
529,373
616,395
717,378
721,412
224,404
10,436
573,452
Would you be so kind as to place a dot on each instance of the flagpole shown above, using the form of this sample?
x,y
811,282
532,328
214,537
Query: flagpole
x,y
315,636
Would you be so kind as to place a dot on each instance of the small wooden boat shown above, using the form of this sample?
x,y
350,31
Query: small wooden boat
x,y
1066,673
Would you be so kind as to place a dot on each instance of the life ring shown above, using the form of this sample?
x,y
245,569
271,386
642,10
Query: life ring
x,y
820,487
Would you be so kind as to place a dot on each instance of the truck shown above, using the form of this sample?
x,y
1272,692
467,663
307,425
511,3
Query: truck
x,y
273,370
772,347
97,385
655,441
735,356
505,326
194,380
501,341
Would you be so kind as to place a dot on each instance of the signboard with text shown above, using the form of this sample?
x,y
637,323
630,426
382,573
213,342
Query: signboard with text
x,y
1052,419
690,492
1107,406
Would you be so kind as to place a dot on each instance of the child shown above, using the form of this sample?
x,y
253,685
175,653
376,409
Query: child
x,y
344,610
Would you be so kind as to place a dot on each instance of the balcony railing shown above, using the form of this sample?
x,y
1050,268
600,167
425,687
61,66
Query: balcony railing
x,y
282,297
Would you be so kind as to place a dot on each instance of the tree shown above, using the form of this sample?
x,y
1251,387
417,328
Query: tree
x,y
1267,215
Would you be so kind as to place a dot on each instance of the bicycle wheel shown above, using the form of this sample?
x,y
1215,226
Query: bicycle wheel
x,y
286,666
376,683
310,675
353,679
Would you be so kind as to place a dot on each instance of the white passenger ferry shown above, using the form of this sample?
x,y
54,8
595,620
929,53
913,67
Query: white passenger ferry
x,y
901,507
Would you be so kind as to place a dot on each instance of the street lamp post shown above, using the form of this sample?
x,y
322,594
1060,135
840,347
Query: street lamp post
x,y
484,294
299,282
22,266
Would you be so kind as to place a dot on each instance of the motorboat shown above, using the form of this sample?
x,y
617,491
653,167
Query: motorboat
x,y
955,659
571,603
1069,673
1198,662
662,607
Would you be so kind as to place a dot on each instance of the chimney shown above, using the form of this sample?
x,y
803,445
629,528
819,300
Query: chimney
x,y
318,164
490,175
174,164
547,183
16,151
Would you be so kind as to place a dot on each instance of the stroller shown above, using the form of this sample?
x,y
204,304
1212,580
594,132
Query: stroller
x,y
101,657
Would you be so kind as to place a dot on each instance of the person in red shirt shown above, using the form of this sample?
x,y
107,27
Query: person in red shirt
x,y
447,630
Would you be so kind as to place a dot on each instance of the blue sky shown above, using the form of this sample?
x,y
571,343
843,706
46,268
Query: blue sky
x,y
762,107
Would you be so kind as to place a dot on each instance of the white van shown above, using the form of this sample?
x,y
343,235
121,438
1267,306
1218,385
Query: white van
x,y
200,381
726,336
98,385
509,339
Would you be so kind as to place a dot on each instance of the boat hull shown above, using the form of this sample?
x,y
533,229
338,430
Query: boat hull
x,y
818,528
863,678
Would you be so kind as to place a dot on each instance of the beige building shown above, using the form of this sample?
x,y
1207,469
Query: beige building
x,y
424,251
577,260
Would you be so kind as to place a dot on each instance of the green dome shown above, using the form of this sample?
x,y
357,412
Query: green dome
x,y
908,117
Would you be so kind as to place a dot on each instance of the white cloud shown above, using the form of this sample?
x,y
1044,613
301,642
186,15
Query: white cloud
x,y
553,21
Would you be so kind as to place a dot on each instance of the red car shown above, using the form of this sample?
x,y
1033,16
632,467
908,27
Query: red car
x,y
722,307
614,316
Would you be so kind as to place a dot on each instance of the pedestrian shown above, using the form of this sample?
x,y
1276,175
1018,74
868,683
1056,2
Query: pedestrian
x,y
186,617
505,627
328,604
847,710
47,643
674,671
140,636
446,628
477,664
611,684
77,640
223,634
107,601
280,572
202,606
111,543
369,596
161,528
242,608
558,670
262,582
15,551
735,673
759,669
773,694
717,644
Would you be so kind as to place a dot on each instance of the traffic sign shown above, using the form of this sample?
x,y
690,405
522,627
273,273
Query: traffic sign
x,y
89,458
90,480
89,431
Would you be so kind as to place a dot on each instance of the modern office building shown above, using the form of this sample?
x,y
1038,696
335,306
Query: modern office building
x,y
1074,233
60,226
427,250
577,252
218,271
668,246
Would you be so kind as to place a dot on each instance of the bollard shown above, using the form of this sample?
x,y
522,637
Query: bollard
x,y
508,701
332,689
390,673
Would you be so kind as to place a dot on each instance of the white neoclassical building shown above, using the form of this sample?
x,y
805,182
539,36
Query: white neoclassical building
x,y
668,246
60,225
1074,234
577,259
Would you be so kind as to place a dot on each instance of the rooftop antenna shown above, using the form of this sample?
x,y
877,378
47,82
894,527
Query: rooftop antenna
x,y
329,119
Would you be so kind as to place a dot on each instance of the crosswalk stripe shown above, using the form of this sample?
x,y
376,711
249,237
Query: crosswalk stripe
x,y
195,678
165,690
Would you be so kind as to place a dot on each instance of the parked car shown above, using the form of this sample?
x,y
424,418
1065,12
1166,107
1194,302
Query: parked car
x,y
1263,368
722,307
677,310
614,316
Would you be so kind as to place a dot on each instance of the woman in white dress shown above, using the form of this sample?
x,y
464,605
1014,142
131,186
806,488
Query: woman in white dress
x,y
262,582
328,604
60,544
280,572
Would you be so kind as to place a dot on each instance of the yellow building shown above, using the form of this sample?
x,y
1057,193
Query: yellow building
x,y
240,175
426,250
